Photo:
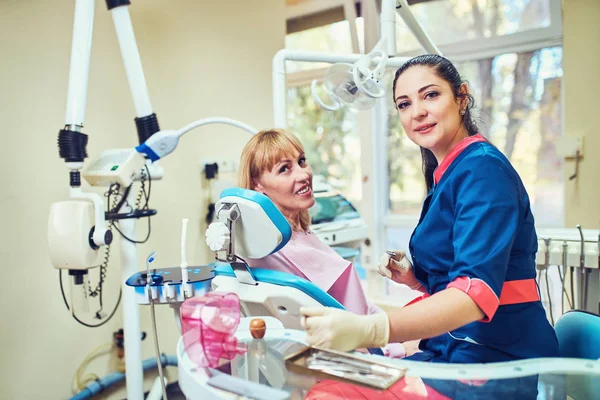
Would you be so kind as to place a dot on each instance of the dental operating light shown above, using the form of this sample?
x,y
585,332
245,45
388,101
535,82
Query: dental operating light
x,y
361,84
357,85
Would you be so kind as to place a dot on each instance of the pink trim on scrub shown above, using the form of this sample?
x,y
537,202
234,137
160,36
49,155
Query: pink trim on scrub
x,y
456,150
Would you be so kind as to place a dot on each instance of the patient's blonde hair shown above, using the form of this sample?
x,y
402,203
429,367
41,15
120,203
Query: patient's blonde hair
x,y
261,153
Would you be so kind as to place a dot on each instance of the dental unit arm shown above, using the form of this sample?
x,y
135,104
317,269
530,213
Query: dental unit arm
x,y
82,219
80,228
361,84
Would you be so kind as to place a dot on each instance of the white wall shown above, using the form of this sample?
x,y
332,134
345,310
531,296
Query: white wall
x,y
581,21
188,50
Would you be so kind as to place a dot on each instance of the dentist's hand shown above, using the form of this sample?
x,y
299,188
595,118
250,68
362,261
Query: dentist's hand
x,y
399,269
332,328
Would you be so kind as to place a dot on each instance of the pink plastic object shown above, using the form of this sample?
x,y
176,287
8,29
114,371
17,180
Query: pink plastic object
x,y
208,325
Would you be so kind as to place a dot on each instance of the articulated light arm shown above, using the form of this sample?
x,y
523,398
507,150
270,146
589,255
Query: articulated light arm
x,y
424,40
164,143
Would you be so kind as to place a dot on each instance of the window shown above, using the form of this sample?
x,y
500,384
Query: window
x,y
332,209
457,21
333,38
330,139
520,101
406,183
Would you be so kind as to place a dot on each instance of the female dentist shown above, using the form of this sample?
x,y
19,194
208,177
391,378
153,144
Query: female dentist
x,y
473,250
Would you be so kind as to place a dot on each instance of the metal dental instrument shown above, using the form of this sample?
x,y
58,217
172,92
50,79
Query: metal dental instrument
x,y
354,370
562,274
346,364
150,281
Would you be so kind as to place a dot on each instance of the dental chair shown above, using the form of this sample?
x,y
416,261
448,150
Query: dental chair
x,y
249,225
578,334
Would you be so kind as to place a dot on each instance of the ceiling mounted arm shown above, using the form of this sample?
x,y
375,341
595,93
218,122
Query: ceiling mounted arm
x,y
424,40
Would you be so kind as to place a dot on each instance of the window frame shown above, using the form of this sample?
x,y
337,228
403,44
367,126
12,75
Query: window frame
x,y
474,50
528,40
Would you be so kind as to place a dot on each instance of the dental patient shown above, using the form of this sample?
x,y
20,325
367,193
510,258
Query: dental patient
x,y
273,163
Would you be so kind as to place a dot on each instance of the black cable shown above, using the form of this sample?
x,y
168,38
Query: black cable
x,y
149,184
143,190
100,296
135,241
240,258
581,279
572,286
123,198
114,189
62,291
585,288
564,289
549,297
563,292
145,207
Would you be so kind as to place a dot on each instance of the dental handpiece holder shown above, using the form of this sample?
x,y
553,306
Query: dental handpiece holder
x,y
221,236
172,285
168,286
247,225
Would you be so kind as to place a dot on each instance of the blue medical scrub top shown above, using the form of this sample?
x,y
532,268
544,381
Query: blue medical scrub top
x,y
477,223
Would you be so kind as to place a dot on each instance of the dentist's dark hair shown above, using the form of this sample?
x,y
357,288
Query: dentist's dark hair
x,y
443,68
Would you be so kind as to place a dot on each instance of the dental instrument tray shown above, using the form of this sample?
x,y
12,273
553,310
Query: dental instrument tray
x,y
167,285
172,275
344,367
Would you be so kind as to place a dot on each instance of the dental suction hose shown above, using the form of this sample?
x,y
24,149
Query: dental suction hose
x,y
102,384
184,264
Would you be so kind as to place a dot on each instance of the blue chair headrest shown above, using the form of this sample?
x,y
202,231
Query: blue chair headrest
x,y
261,229
578,334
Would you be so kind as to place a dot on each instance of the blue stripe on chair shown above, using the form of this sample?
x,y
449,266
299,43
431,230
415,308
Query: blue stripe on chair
x,y
270,209
577,332
284,279
288,280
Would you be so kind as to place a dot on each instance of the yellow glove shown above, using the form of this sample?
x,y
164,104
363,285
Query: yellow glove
x,y
332,328
399,269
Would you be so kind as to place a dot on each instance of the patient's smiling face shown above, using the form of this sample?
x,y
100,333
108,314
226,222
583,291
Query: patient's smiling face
x,y
273,163
288,184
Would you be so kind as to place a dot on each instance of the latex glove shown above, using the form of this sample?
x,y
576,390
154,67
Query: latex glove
x,y
399,269
332,328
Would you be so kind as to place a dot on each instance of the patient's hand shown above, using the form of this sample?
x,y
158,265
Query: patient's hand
x,y
411,347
